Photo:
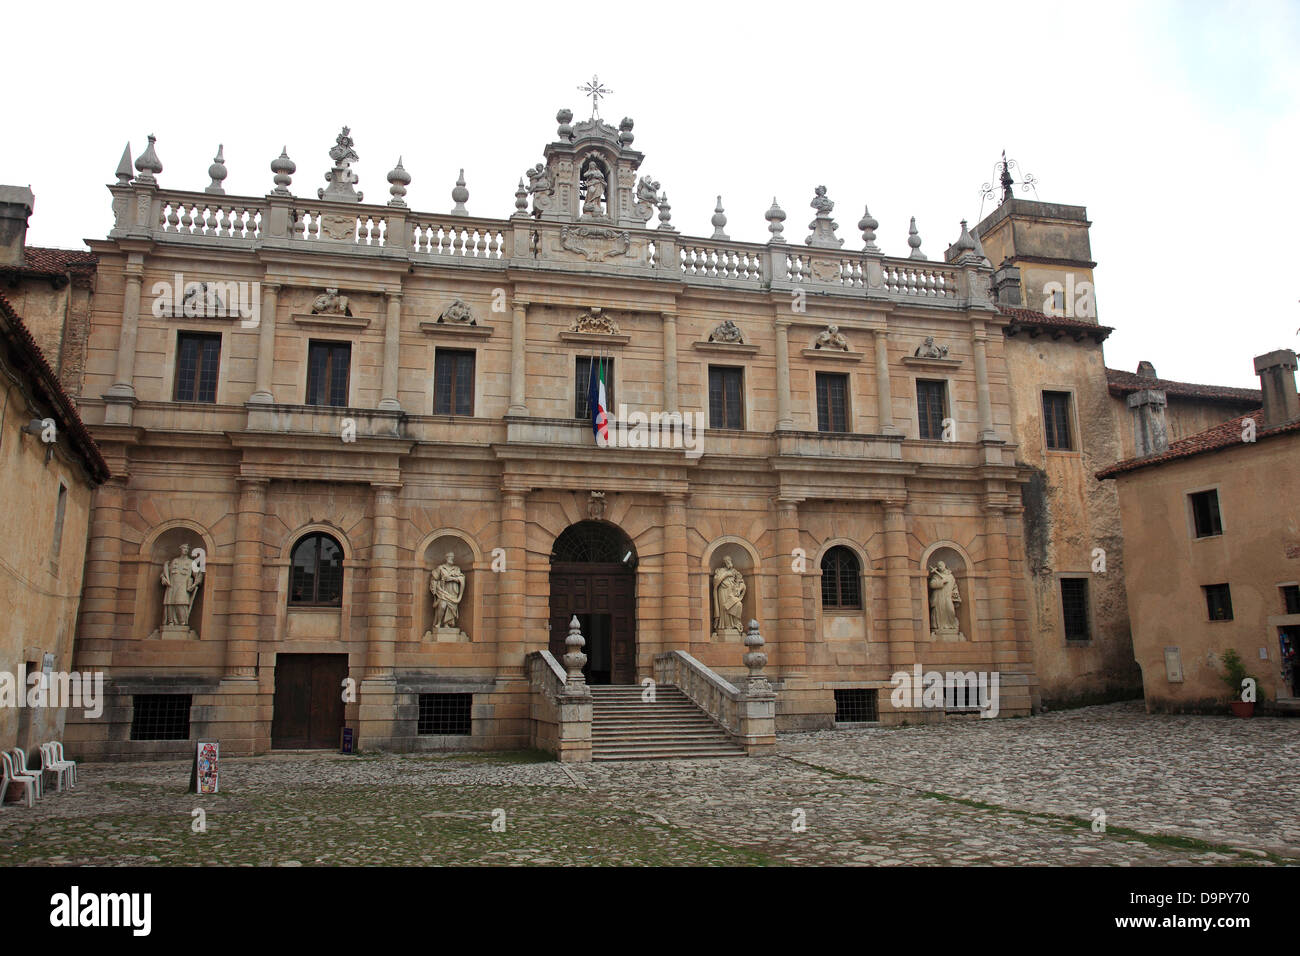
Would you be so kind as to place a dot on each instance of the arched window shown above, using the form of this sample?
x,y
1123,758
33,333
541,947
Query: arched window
x,y
841,579
316,572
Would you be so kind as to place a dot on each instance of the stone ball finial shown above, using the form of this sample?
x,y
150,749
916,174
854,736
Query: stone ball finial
x,y
148,164
521,199
398,179
914,240
719,221
564,117
625,135
217,172
459,195
775,216
868,225
754,659
665,212
284,168
575,660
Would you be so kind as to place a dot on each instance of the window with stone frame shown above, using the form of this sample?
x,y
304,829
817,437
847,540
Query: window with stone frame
x,y
328,364
726,397
584,371
453,382
841,579
1074,609
931,408
832,402
1205,513
1218,601
1291,599
316,572
198,363
1056,421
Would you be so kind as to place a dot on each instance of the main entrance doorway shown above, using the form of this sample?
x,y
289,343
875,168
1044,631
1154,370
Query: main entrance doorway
x,y
308,712
593,578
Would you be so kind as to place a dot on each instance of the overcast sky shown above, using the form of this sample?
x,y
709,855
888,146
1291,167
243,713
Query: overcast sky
x,y
1175,124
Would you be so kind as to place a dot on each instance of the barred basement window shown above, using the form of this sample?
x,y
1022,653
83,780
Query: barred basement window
x,y
964,694
445,714
856,705
160,717
1218,602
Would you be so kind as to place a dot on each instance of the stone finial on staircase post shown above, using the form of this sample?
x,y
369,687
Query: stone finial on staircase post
x,y
575,660
756,660
757,704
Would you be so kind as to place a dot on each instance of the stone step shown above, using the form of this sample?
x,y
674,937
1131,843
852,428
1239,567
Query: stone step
x,y
664,754
671,727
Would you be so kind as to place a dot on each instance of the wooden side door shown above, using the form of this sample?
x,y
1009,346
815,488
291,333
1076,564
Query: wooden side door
x,y
308,708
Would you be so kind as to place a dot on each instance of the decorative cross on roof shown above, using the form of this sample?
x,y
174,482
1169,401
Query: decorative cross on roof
x,y
595,90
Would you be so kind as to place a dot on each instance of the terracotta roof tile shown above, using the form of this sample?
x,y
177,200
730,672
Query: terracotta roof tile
x,y
1224,435
1122,383
42,261
1057,325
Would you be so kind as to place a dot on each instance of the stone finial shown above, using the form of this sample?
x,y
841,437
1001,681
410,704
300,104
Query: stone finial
x,y
575,660
564,117
914,240
148,164
665,213
755,660
979,247
398,179
123,173
521,199
1146,370
868,225
284,168
964,241
625,135
775,216
822,228
719,221
217,172
459,195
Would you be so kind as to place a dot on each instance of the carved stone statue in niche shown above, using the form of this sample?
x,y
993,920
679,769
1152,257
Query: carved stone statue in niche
x,y
447,584
647,197
728,596
330,302
728,332
593,203
457,312
541,188
832,338
944,601
929,350
596,505
181,580
594,321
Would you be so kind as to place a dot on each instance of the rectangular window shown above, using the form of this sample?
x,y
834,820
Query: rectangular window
x,y
856,705
198,359
327,373
453,382
160,717
60,512
1205,514
1291,599
726,397
585,371
1218,602
931,408
1074,609
445,714
832,402
1056,420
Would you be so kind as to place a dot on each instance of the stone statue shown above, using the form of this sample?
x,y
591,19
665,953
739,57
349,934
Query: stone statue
x,y
728,596
540,187
929,350
182,582
341,179
457,312
832,338
594,203
447,584
728,332
331,303
944,600
647,197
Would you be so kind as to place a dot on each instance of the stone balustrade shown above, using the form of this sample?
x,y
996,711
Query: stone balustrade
x,y
560,714
748,716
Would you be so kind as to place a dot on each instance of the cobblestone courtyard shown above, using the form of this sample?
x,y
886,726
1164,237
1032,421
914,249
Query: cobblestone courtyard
x,y
1174,790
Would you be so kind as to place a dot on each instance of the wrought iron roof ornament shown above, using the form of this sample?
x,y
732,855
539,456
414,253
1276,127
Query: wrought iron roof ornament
x,y
1003,180
596,91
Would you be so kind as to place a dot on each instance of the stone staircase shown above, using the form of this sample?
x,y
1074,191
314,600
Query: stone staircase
x,y
623,727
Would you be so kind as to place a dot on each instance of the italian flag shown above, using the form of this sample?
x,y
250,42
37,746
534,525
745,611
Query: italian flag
x,y
596,403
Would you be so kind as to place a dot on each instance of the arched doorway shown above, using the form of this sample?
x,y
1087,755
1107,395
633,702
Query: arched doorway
x,y
593,566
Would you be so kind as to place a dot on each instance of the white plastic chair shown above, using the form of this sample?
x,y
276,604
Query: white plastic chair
x,y
59,758
19,757
11,776
51,764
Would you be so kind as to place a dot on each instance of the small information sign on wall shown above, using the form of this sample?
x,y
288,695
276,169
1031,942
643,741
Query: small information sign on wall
x,y
347,740
204,777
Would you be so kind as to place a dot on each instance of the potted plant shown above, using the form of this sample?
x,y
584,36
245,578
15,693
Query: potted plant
x,y
1234,674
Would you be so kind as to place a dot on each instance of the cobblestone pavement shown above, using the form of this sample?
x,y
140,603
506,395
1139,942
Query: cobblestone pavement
x,y
1175,790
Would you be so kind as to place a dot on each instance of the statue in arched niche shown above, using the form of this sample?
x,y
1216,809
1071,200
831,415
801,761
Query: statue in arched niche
x,y
447,584
181,579
593,203
729,596
944,600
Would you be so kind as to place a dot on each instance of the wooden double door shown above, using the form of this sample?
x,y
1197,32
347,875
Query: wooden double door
x,y
308,712
603,597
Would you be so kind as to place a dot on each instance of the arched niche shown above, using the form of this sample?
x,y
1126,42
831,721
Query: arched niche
x,y
957,562
744,559
163,544
432,554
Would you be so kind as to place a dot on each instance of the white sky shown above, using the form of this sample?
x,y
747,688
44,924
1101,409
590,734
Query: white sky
x,y
1175,123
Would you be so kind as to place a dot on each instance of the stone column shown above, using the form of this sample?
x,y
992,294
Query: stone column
x,y
518,359
511,584
676,585
124,379
898,587
792,629
244,618
884,395
382,609
979,339
784,420
670,361
998,599
103,577
392,345
262,393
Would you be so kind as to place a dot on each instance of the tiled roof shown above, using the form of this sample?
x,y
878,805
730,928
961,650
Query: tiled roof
x,y
1122,383
40,261
31,361
1037,323
1224,435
